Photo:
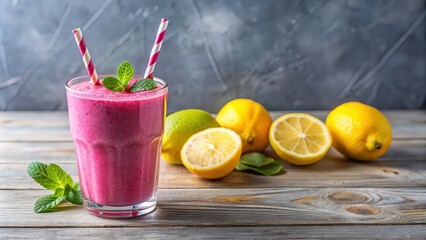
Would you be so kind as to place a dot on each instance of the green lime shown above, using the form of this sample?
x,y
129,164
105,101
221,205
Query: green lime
x,y
179,127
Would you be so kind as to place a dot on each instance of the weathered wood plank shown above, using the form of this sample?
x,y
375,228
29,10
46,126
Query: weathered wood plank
x,y
63,152
34,126
53,126
26,152
237,206
328,173
404,166
288,232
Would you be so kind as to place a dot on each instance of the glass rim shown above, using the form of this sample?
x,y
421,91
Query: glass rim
x,y
164,87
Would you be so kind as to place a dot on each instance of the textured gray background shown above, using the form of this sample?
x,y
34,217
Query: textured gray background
x,y
287,55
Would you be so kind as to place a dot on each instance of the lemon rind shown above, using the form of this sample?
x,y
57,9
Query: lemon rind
x,y
320,153
214,166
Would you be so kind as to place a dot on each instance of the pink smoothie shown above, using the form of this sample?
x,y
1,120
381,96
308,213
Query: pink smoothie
x,y
117,139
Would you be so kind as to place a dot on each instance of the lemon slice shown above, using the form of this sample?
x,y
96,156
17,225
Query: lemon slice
x,y
299,138
212,153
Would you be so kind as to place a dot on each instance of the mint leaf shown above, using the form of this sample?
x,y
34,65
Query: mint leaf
x,y
125,72
47,202
58,175
50,177
73,194
113,84
38,171
270,169
144,84
255,159
59,191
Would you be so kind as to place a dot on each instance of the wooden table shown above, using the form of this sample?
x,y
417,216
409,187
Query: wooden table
x,y
333,199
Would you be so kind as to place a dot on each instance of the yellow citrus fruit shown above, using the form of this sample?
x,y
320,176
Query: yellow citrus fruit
x,y
359,131
299,138
250,120
212,153
179,127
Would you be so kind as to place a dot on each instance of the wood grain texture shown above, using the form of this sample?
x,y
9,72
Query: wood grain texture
x,y
237,206
63,152
406,168
34,126
281,232
328,173
53,126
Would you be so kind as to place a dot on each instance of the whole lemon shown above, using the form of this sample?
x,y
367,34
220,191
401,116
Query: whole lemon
x,y
179,127
250,120
359,131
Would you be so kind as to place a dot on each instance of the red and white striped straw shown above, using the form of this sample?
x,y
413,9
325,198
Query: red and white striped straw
x,y
156,48
94,79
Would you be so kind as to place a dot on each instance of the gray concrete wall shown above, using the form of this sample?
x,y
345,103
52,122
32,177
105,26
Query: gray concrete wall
x,y
288,55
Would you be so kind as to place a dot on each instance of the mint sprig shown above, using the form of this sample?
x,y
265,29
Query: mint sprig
x,y
259,163
54,178
124,75
144,84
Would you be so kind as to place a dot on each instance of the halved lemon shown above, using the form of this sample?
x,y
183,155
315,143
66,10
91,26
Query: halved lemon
x,y
212,153
299,138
